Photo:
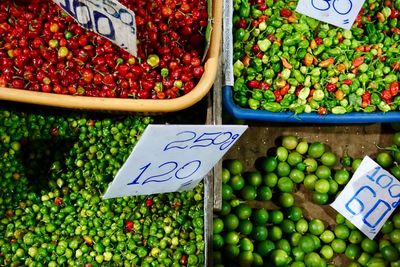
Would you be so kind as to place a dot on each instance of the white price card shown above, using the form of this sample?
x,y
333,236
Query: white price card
x,y
369,198
341,13
171,158
108,18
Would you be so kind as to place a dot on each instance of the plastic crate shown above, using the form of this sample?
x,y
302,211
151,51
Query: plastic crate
x,y
263,115
133,105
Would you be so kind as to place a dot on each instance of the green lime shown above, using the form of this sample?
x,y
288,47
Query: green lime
x,y
316,227
264,193
342,231
260,217
218,225
313,259
245,227
387,227
302,147
295,238
286,200
231,221
296,175
396,139
390,253
226,175
294,158
282,153
364,258
218,241
326,252
352,251
231,251
384,159
311,165
289,142
309,181
246,244
323,172
270,179
243,211
227,192
322,186
355,236
288,226
245,258
342,176
234,166
264,247
237,182
355,164
283,169
395,236
327,236
232,238
298,255
249,192
269,164
333,187
395,171
294,213
280,258
225,208
254,178
275,233
284,245
276,216
257,260
320,198
316,150
338,245
306,243
285,184
259,233
329,159
302,226
369,246
396,220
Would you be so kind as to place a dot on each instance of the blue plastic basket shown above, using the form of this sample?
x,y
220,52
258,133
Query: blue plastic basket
x,y
263,115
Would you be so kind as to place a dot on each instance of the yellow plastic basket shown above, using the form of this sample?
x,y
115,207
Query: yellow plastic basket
x,y
133,105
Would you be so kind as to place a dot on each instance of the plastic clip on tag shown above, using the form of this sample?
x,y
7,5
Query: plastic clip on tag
x,y
108,18
369,198
171,158
341,13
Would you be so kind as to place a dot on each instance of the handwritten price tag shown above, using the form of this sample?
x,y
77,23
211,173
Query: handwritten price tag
x,y
108,18
369,198
341,13
172,158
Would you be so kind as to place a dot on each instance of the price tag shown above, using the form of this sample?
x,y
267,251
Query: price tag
x,y
108,18
369,198
171,158
340,13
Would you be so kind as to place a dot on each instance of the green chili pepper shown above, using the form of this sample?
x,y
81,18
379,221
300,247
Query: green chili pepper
x,y
272,107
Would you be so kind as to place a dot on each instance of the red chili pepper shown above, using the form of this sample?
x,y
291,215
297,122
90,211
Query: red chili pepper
x,y
149,202
331,87
285,89
278,96
386,95
253,84
366,99
394,88
264,85
298,89
285,12
347,82
358,61
319,40
394,14
58,201
128,226
184,260
322,111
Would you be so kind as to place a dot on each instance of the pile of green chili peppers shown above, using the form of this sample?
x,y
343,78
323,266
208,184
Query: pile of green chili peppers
x,y
286,61
53,172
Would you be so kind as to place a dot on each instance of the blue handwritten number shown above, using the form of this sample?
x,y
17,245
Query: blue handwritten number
x,y
371,177
150,179
228,143
226,139
144,168
208,141
110,34
172,145
342,7
196,162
